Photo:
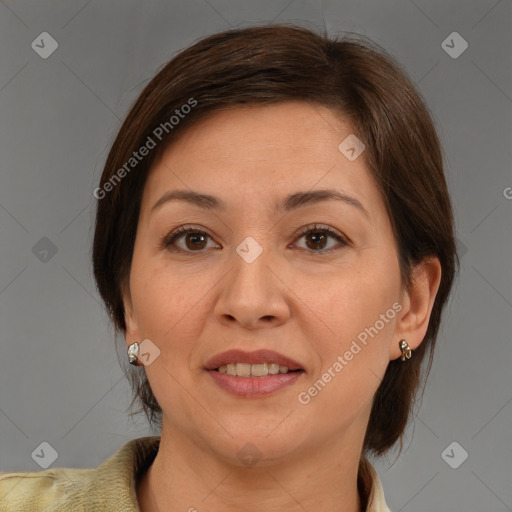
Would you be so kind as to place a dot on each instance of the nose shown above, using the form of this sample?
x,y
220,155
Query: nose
x,y
253,293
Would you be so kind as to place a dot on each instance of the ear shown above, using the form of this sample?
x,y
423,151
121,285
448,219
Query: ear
x,y
417,305
132,333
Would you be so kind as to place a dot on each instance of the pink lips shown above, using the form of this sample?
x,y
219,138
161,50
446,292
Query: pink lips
x,y
253,386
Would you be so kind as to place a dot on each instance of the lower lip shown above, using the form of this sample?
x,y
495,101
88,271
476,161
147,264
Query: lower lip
x,y
254,386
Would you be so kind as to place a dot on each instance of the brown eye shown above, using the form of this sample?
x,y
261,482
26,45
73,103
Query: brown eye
x,y
194,240
317,237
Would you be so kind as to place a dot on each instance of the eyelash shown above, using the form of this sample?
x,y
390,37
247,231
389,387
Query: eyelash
x,y
168,240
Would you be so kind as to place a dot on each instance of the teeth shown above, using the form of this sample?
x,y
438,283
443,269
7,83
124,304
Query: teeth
x,y
273,368
252,370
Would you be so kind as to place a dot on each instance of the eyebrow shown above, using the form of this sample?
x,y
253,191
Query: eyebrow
x,y
291,202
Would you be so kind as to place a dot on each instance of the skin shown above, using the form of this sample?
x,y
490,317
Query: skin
x,y
292,299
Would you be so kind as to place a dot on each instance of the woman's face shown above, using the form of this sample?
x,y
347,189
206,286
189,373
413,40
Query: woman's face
x,y
248,278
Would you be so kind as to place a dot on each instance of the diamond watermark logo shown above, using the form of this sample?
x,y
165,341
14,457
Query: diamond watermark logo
x,y
351,147
45,455
249,454
44,45
454,455
148,352
44,250
249,250
454,45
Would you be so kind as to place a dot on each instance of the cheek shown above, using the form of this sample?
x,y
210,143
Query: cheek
x,y
169,305
352,341
353,300
155,296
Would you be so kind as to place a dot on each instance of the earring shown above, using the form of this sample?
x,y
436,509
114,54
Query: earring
x,y
133,354
406,350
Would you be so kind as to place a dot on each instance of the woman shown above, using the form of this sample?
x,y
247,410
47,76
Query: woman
x,y
274,239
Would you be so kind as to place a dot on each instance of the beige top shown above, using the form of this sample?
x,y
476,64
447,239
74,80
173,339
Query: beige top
x,y
109,487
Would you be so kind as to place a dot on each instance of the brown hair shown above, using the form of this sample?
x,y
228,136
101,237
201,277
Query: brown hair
x,y
267,65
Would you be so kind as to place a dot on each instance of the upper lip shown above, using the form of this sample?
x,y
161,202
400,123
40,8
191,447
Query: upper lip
x,y
258,356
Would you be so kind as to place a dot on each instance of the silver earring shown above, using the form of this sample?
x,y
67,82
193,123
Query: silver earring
x,y
133,354
406,350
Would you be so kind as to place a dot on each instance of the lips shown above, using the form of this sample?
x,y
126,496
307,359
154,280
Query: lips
x,y
256,357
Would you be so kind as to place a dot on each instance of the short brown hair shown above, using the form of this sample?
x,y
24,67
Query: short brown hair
x,y
275,63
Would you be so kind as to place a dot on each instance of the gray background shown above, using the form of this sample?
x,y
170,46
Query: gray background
x,y
60,379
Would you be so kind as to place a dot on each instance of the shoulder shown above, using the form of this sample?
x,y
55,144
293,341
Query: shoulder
x,y
34,491
111,486
373,488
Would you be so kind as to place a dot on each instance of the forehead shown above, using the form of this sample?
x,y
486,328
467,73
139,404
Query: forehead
x,y
261,153
292,130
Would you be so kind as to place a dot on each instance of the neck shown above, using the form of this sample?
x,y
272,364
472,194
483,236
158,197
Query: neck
x,y
192,478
